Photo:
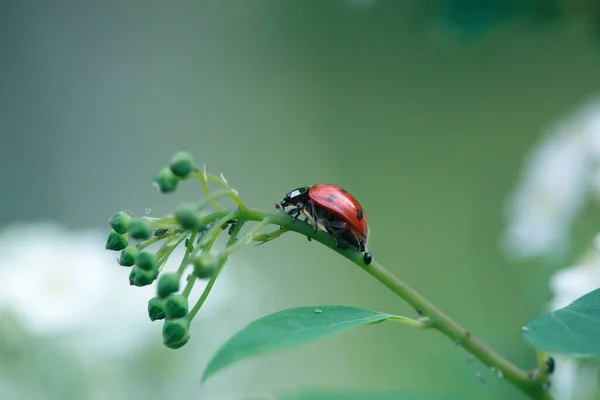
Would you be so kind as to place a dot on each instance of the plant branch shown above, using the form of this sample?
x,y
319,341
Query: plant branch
x,y
440,321
533,388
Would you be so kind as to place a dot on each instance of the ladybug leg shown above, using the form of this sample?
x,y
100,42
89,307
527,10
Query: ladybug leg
x,y
296,210
338,225
358,240
336,229
339,243
301,207
312,210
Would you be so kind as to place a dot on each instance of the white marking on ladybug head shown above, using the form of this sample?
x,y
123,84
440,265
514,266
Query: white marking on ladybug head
x,y
297,192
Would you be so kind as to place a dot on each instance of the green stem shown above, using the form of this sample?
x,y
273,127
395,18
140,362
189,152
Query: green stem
x,y
533,388
215,196
203,180
167,248
211,236
414,323
189,248
462,337
204,177
221,181
247,237
155,239
206,291
213,278
189,285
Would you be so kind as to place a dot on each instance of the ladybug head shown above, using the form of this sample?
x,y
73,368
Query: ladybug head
x,y
294,197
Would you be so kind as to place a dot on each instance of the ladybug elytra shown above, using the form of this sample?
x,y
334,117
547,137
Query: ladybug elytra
x,y
333,208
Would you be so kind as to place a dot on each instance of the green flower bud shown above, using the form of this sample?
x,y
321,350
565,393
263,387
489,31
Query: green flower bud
x,y
168,283
182,164
176,306
166,181
140,277
128,256
186,216
176,333
146,260
205,265
140,229
116,241
120,222
156,308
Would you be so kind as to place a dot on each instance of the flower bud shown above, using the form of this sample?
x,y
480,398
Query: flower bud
x,y
156,308
146,260
140,229
120,222
176,333
166,181
128,256
182,164
205,265
168,283
140,277
186,216
116,241
176,306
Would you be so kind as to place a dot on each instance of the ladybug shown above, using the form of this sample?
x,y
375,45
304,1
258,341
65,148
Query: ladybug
x,y
335,209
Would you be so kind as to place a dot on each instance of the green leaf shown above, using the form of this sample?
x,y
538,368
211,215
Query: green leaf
x,y
357,395
290,328
574,329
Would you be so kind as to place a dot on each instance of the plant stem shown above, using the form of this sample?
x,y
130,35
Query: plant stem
x,y
213,278
532,387
423,323
155,239
463,338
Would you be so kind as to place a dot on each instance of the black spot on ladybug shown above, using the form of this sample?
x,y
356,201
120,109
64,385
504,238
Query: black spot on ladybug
x,y
359,214
330,198
344,190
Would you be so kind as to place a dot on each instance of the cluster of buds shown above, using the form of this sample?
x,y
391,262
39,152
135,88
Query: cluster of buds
x,y
197,226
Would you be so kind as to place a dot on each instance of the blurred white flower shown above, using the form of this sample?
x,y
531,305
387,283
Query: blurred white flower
x,y
64,284
558,176
574,378
60,283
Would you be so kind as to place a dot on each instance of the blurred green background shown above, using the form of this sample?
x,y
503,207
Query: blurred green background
x,y
423,110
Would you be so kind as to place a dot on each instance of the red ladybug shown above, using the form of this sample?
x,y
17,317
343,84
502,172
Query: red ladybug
x,y
335,209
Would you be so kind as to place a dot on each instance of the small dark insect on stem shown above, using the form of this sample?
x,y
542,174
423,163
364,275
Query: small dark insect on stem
x,y
160,231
